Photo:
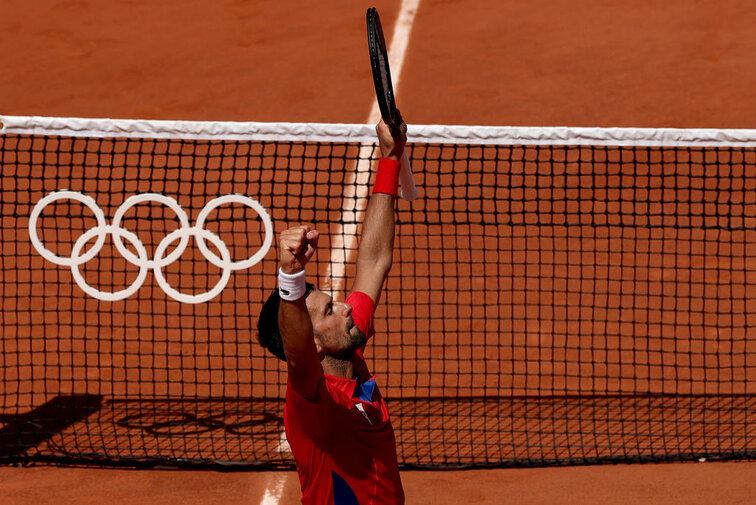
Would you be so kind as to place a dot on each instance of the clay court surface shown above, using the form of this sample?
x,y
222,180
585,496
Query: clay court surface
x,y
544,63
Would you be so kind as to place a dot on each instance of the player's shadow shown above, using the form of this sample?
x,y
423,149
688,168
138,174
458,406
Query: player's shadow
x,y
22,432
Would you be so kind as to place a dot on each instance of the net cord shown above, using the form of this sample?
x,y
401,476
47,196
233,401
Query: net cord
x,y
339,132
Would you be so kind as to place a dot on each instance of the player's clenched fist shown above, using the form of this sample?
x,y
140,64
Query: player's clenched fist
x,y
297,245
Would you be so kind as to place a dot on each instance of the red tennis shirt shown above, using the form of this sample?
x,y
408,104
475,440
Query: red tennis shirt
x,y
344,443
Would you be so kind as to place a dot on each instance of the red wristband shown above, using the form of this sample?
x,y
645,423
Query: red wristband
x,y
387,177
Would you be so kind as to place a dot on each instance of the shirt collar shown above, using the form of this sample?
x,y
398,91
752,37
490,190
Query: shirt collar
x,y
353,388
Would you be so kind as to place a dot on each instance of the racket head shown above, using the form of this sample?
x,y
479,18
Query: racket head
x,y
379,63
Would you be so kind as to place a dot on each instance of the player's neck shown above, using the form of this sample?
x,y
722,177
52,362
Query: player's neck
x,y
338,367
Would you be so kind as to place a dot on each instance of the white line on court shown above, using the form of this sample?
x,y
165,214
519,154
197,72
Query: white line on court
x,y
356,191
344,241
283,444
274,489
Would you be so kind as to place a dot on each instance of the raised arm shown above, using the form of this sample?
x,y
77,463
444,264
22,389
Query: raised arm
x,y
376,250
297,245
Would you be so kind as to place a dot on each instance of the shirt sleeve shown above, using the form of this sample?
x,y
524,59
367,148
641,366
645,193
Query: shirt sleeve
x,y
363,312
305,418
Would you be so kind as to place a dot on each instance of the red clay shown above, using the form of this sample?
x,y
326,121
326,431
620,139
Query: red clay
x,y
671,64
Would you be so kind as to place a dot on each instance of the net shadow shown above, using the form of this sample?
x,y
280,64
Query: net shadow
x,y
431,433
569,430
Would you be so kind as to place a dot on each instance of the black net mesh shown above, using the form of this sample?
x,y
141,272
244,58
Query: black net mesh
x,y
547,304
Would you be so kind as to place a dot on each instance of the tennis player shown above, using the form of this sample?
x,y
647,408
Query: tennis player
x,y
336,419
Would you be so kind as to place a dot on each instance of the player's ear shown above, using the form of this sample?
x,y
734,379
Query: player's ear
x,y
319,348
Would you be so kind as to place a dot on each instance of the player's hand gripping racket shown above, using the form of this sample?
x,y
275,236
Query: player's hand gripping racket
x,y
384,92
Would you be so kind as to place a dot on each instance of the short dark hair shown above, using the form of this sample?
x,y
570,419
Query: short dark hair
x,y
267,324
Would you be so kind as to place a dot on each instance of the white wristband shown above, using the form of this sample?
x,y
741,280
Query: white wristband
x,y
291,287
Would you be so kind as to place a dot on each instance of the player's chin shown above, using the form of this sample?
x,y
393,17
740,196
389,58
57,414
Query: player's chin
x,y
357,339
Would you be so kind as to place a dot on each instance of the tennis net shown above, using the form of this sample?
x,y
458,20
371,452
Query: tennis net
x,y
559,295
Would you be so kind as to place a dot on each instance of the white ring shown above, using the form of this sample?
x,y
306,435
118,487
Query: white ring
x,y
54,197
151,197
141,260
104,295
249,202
186,233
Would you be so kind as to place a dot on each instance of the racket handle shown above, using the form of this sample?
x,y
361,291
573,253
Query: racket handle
x,y
406,180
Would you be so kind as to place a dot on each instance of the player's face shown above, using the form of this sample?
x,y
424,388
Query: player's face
x,y
333,325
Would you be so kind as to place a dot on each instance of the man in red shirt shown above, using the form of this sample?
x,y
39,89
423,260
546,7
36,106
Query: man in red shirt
x,y
336,419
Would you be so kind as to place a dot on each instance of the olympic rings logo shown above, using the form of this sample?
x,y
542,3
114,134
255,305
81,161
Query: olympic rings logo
x,y
141,260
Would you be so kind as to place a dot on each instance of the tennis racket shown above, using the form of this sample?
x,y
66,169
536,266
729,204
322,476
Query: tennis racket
x,y
384,92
